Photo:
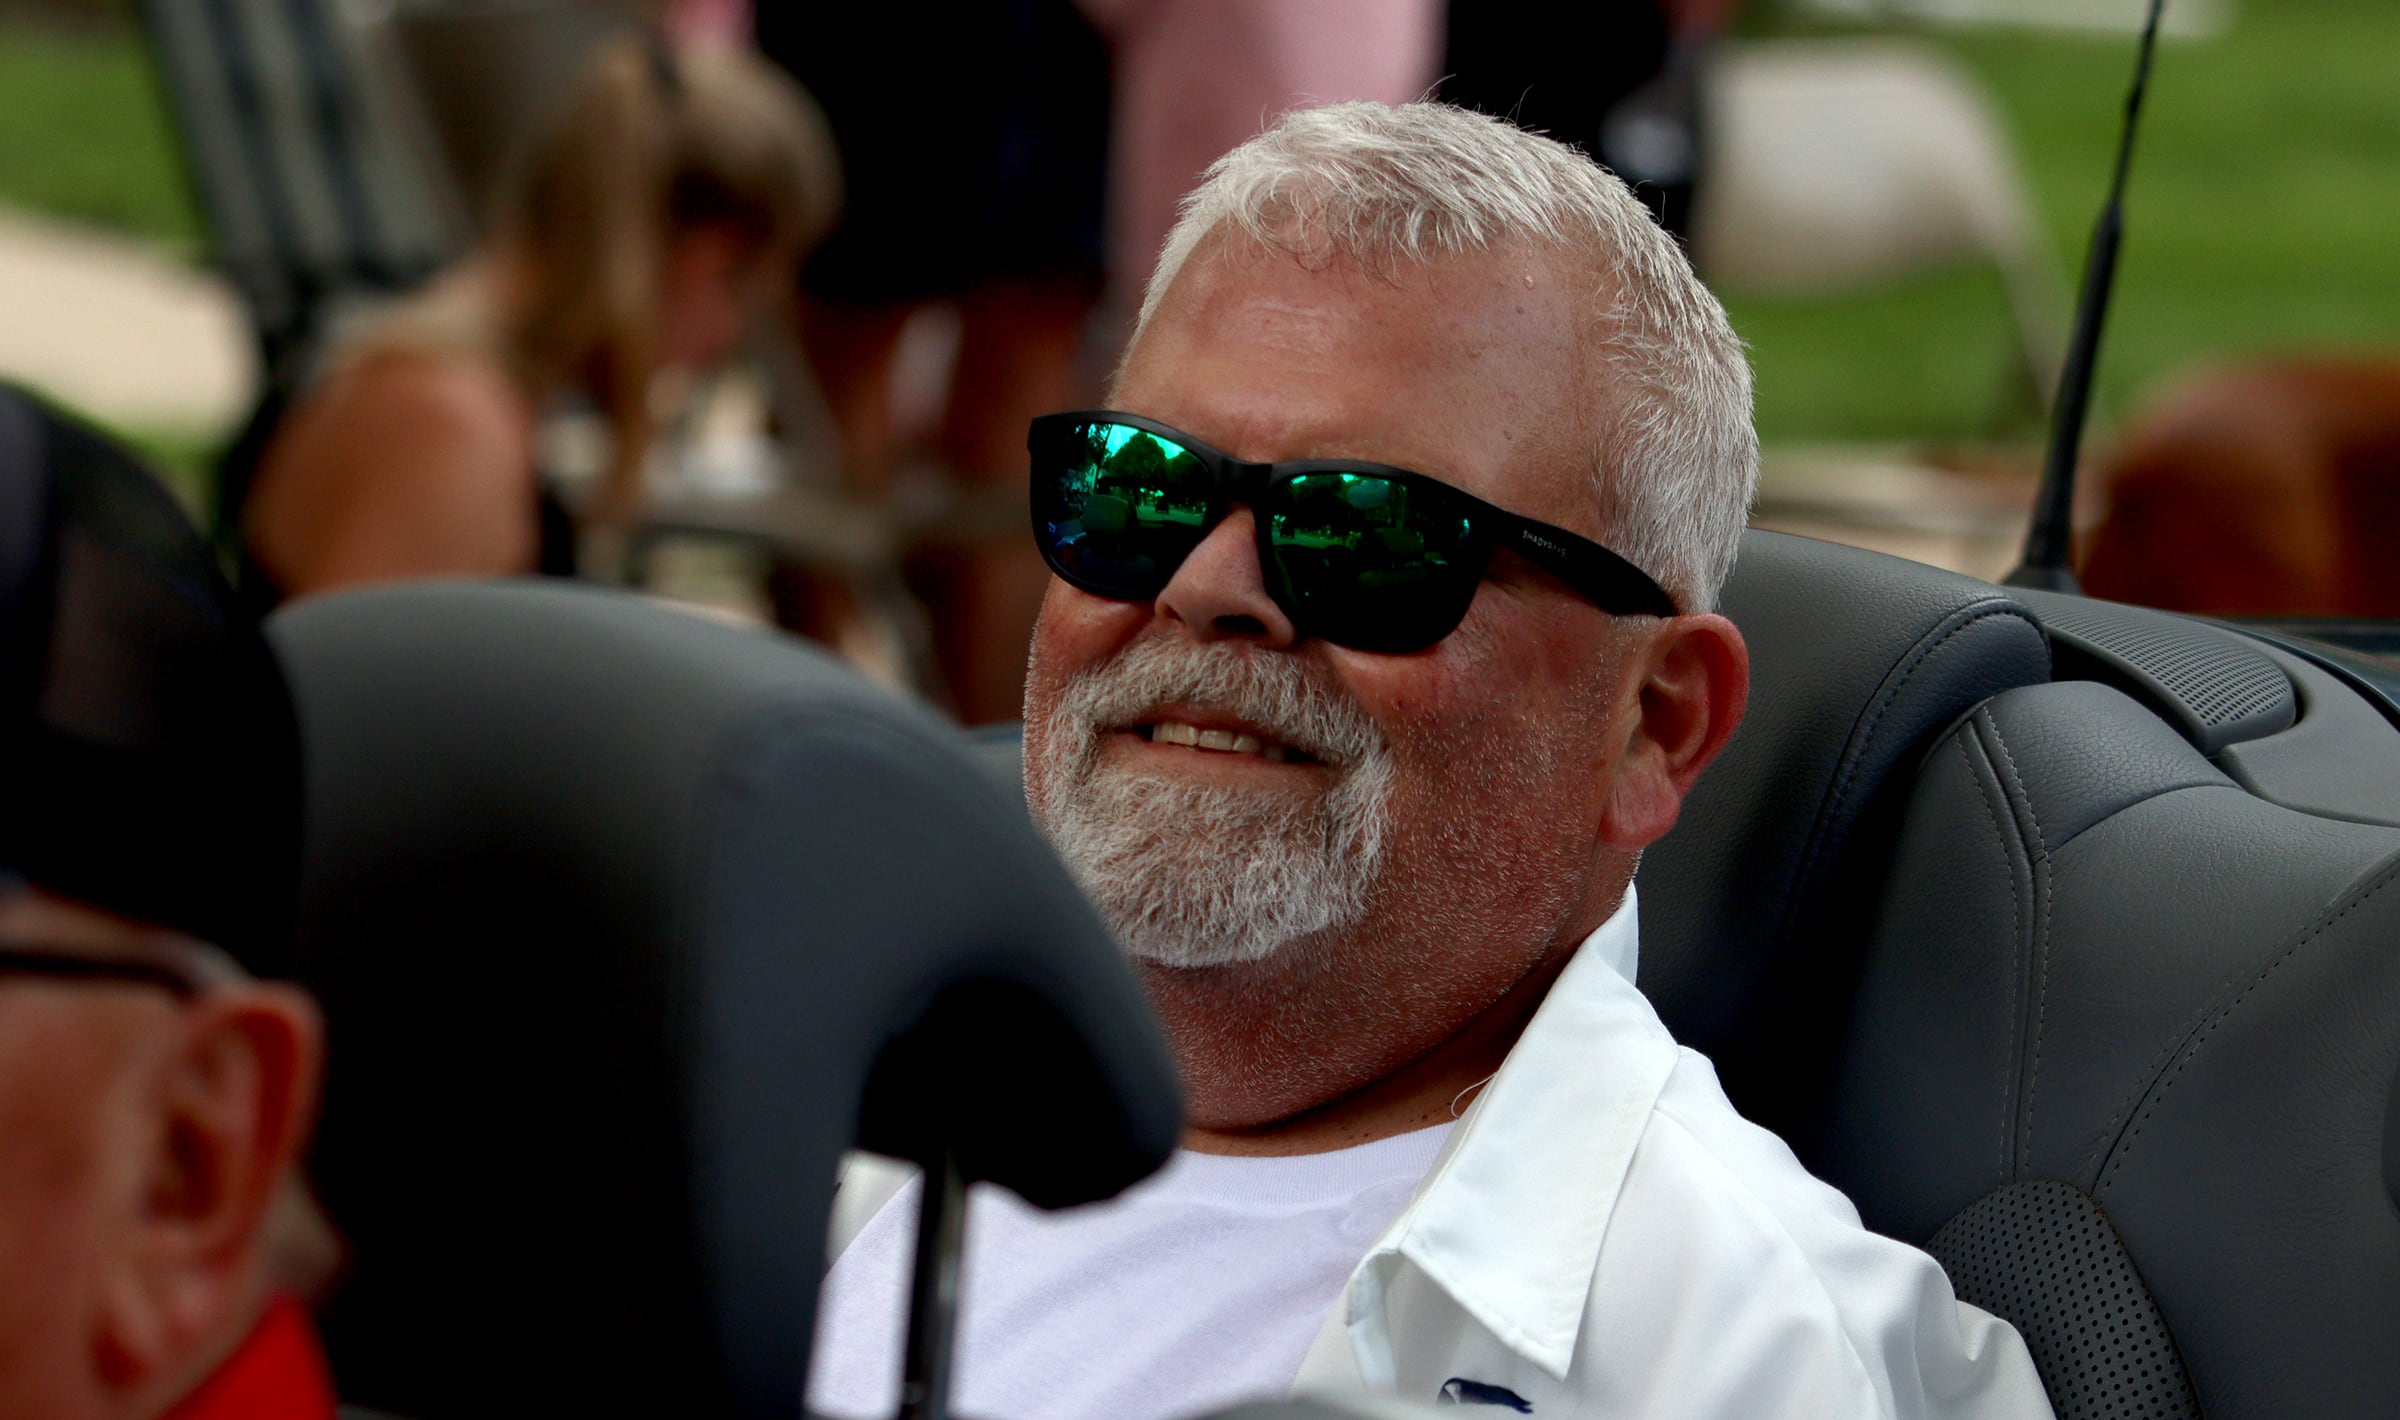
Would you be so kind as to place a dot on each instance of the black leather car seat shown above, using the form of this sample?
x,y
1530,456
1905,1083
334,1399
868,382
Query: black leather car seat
x,y
2092,987
627,925
2124,1054
1756,907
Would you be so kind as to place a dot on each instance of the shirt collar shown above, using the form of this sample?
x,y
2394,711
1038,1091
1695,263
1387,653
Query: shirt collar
x,y
1510,1220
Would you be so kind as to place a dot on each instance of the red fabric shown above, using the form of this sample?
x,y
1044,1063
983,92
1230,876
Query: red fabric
x,y
278,1374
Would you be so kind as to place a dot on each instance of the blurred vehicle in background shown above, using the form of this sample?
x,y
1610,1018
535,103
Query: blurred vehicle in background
x,y
2264,490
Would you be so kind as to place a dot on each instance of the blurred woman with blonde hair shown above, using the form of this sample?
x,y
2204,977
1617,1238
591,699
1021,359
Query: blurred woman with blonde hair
x,y
662,203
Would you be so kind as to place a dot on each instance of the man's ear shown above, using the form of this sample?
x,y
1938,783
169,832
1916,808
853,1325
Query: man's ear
x,y
1692,684
228,1104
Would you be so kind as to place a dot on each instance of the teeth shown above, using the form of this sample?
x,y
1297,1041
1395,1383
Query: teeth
x,y
1176,732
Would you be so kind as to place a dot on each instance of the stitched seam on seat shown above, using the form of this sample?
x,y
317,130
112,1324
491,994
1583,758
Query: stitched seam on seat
x,y
2166,1052
1854,753
2016,936
2219,784
2191,1051
2039,867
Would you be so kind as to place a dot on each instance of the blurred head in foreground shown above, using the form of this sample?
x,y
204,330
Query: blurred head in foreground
x,y
156,1086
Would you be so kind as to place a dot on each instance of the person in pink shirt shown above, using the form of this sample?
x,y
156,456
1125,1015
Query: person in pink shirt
x,y
1195,78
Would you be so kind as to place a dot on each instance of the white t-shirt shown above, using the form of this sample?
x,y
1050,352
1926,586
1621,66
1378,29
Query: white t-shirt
x,y
1197,1289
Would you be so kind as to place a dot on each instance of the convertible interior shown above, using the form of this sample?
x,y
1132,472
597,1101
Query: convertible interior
x,y
2061,935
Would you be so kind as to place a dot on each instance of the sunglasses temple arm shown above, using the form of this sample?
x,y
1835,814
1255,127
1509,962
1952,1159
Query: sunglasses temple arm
x,y
1615,584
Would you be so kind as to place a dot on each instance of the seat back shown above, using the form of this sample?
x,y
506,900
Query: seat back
x,y
2091,987
1754,907
2124,1055
628,924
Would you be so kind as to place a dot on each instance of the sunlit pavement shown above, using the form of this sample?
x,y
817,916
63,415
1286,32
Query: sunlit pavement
x,y
120,330
1965,513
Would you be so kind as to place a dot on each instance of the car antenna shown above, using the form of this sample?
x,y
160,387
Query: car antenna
x,y
2049,542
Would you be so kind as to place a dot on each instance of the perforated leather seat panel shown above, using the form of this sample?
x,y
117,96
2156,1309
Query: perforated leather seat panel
x,y
2044,1257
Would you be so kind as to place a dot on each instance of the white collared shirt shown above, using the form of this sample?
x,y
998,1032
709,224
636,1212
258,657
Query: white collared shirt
x,y
1603,1235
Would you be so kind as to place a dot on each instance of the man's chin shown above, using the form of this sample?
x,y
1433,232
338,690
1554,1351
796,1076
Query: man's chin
x,y
1193,958
1195,879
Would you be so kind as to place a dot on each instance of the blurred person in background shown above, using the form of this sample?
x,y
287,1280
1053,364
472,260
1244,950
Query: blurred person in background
x,y
1617,79
1197,78
974,139
157,1082
644,224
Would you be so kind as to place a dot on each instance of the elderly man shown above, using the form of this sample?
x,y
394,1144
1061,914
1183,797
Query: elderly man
x,y
1381,644
154,1093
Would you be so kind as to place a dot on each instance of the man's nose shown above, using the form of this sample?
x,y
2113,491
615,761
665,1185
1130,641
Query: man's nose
x,y
1221,592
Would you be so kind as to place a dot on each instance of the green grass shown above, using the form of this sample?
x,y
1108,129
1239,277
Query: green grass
x,y
84,133
2263,215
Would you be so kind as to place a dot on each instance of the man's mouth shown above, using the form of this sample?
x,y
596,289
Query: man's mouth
x,y
1220,740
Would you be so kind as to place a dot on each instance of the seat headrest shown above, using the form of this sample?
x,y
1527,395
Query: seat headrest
x,y
1760,895
627,925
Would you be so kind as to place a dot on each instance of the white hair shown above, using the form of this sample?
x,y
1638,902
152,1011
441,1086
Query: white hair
x,y
1673,452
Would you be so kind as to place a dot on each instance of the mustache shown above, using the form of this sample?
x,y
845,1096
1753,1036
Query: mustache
x,y
1296,702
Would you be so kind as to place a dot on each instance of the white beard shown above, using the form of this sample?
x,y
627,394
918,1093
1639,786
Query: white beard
x,y
1193,875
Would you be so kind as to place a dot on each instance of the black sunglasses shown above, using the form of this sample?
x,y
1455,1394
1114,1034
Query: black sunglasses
x,y
1359,554
65,965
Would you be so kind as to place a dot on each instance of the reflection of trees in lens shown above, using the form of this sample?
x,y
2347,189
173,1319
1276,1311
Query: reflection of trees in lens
x,y
1351,533
1182,474
1138,459
1162,480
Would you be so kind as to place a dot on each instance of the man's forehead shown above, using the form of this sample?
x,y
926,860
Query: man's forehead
x,y
1237,288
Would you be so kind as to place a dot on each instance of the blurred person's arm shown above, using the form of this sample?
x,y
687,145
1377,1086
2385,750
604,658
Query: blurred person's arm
x,y
408,465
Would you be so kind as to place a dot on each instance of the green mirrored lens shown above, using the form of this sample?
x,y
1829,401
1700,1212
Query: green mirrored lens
x,y
1129,505
1370,561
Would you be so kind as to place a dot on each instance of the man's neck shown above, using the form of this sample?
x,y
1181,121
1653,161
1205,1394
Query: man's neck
x,y
1430,1090
1301,1062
